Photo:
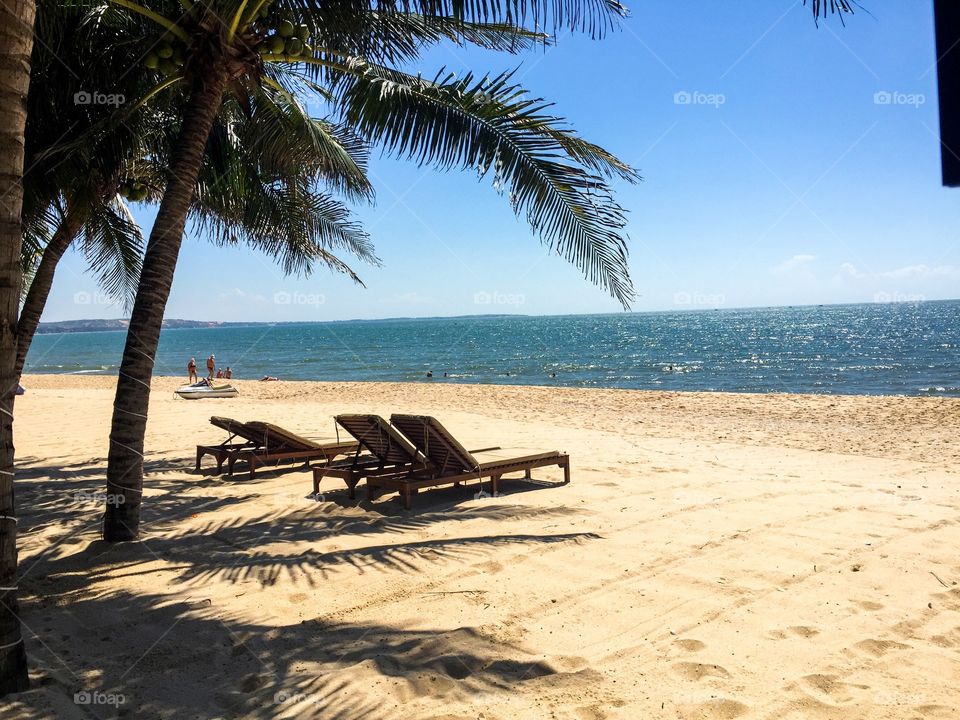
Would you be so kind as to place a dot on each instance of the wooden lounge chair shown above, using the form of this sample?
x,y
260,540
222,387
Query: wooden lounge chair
x,y
381,451
279,445
266,443
223,451
451,463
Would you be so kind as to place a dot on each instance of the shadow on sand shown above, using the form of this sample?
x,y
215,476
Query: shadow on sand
x,y
175,651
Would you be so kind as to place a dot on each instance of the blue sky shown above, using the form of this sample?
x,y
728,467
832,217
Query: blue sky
x,y
783,164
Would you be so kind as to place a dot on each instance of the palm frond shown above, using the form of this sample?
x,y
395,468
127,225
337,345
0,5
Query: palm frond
x,y
825,8
492,126
296,227
113,247
281,136
403,35
594,17
38,229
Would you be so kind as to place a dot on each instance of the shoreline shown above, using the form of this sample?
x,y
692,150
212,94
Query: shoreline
x,y
923,425
179,380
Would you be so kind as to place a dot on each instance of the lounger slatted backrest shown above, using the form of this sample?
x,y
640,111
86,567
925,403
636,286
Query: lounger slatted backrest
x,y
379,438
275,437
433,440
235,427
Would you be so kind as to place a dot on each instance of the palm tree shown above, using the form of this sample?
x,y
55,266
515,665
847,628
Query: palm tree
x,y
78,176
343,50
16,40
279,213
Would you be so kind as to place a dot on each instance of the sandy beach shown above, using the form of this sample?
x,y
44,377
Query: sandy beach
x,y
715,556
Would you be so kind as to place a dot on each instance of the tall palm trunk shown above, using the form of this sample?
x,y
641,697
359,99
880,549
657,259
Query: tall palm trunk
x,y
16,44
39,290
125,458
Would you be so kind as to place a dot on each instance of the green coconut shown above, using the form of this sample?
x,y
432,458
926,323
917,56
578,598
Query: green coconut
x,y
151,61
294,47
165,51
277,44
286,29
303,32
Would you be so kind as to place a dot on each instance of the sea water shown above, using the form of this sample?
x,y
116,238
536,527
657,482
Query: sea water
x,y
891,349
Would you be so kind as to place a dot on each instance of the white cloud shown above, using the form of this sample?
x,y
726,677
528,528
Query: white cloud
x,y
794,264
850,270
921,272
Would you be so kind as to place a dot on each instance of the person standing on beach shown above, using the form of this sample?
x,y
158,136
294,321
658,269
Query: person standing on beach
x,y
192,371
211,366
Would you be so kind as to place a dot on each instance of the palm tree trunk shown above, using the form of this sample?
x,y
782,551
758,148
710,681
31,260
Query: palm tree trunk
x,y
125,459
16,43
40,287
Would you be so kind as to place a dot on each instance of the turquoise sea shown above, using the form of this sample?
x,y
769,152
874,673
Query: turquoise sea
x,y
890,349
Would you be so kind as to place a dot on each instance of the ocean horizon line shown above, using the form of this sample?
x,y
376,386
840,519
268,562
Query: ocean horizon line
x,y
46,327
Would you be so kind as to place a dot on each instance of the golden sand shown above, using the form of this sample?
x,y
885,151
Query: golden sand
x,y
715,556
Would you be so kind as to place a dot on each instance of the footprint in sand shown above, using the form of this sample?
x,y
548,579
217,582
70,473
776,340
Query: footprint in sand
x,y
720,709
804,631
590,712
877,648
697,671
569,663
489,566
868,605
947,640
829,689
689,644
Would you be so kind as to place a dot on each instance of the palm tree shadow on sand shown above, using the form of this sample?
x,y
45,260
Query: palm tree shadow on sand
x,y
180,652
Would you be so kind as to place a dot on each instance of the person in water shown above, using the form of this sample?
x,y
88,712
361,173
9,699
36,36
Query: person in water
x,y
192,371
228,373
211,366
219,373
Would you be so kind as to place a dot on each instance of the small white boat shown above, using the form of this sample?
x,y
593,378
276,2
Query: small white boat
x,y
207,389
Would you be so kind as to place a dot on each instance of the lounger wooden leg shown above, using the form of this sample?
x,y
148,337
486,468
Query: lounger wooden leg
x,y
220,458
352,488
494,484
200,454
566,472
407,499
527,475
230,461
317,475
253,466
370,490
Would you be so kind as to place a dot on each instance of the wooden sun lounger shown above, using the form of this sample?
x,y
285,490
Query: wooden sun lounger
x,y
382,451
451,463
223,451
266,443
282,446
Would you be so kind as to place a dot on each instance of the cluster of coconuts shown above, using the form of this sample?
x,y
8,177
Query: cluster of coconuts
x,y
133,190
166,56
287,39
284,38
